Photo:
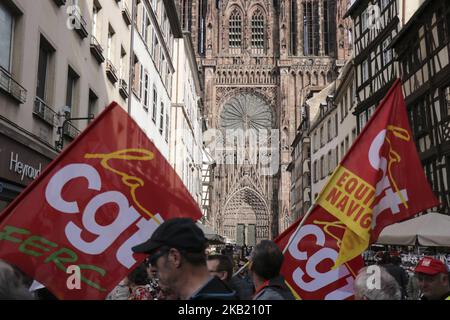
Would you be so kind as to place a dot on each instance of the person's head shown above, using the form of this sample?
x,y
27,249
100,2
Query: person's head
x,y
11,284
432,275
266,261
139,276
221,266
375,283
176,248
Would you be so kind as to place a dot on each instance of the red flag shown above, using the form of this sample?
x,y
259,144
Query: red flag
x,y
106,192
380,181
312,252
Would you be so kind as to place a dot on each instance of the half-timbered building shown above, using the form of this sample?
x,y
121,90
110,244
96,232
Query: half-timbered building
x,y
423,49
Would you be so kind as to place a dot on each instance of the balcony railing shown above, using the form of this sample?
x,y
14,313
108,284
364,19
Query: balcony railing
x,y
60,3
97,50
12,87
126,12
43,111
70,131
123,88
80,24
111,71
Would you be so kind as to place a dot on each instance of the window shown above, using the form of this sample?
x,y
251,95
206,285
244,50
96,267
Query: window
x,y
322,167
167,127
329,24
141,81
110,44
146,89
294,12
258,30
362,119
45,51
122,64
155,104
311,27
6,37
136,77
144,24
364,20
322,137
95,27
445,103
387,53
336,156
315,173
329,128
186,15
161,119
330,162
365,71
72,79
92,104
336,124
235,30
353,135
347,144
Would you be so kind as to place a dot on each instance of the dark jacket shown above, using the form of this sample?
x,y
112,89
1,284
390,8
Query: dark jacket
x,y
215,289
444,297
274,289
400,275
243,287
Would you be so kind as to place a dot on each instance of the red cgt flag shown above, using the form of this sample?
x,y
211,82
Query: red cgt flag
x,y
379,182
107,192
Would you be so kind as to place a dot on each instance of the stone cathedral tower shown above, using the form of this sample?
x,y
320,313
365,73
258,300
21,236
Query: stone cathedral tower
x,y
259,60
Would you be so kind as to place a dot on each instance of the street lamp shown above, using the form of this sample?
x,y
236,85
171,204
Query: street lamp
x,y
60,143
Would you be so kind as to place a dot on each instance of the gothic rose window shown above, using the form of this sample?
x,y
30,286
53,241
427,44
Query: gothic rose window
x,y
246,112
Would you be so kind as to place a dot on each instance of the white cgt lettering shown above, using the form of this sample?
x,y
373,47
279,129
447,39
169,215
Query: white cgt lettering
x,y
320,279
59,180
106,234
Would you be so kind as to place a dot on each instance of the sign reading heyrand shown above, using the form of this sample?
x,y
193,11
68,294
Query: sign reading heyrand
x,y
379,182
107,192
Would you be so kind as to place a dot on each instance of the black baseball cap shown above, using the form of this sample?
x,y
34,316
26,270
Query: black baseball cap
x,y
179,233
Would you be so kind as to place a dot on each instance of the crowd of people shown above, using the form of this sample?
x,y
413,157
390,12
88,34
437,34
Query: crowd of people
x,y
178,267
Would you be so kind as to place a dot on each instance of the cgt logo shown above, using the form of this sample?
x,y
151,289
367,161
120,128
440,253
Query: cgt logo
x,y
319,280
104,235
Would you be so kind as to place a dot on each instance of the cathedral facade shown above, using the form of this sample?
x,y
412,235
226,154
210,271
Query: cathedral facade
x,y
259,61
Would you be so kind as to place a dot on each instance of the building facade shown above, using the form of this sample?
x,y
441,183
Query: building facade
x,y
186,134
258,60
423,49
58,60
344,100
155,29
324,137
376,23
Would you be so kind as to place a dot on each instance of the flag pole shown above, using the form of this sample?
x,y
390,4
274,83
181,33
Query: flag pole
x,y
298,227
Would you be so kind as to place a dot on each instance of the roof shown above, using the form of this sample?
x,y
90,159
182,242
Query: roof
x,y
321,97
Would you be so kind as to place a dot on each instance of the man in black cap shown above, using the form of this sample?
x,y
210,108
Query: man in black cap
x,y
177,249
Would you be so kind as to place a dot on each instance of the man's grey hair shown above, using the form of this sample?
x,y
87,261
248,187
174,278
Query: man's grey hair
x,y
11,285
375,283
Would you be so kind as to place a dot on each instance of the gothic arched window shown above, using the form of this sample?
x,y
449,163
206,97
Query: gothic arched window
x,y
186,15
258,30
235,30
